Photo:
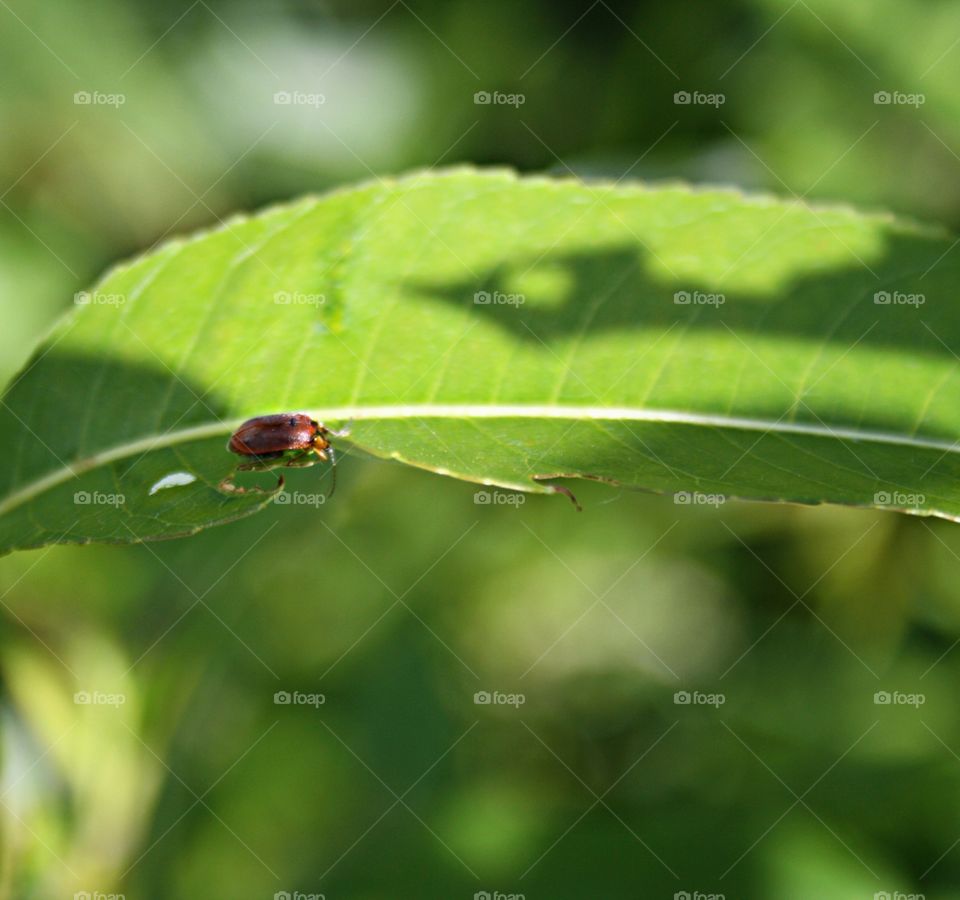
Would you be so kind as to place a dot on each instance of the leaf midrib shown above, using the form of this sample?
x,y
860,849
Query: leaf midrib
x,y
481,411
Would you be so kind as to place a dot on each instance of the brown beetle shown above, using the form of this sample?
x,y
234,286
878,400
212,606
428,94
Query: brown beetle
x,y
290,440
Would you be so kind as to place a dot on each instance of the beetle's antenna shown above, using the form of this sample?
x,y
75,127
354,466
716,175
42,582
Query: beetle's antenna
x,y
333,470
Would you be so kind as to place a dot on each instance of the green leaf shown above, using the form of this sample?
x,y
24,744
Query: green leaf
x,y
508,331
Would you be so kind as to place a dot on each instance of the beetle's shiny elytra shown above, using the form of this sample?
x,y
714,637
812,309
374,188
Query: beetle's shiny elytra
x,y
271,436
285,439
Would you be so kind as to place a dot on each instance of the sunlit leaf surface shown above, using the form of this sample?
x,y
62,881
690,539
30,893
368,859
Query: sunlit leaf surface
x,y
518,332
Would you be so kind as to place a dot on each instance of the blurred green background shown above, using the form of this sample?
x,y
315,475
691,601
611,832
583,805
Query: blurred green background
x,y
600,784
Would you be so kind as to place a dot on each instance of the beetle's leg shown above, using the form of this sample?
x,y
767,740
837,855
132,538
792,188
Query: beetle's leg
x,y
258,465
228,486
302,460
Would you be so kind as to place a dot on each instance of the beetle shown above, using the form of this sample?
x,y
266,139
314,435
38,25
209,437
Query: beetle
x,y
289,440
